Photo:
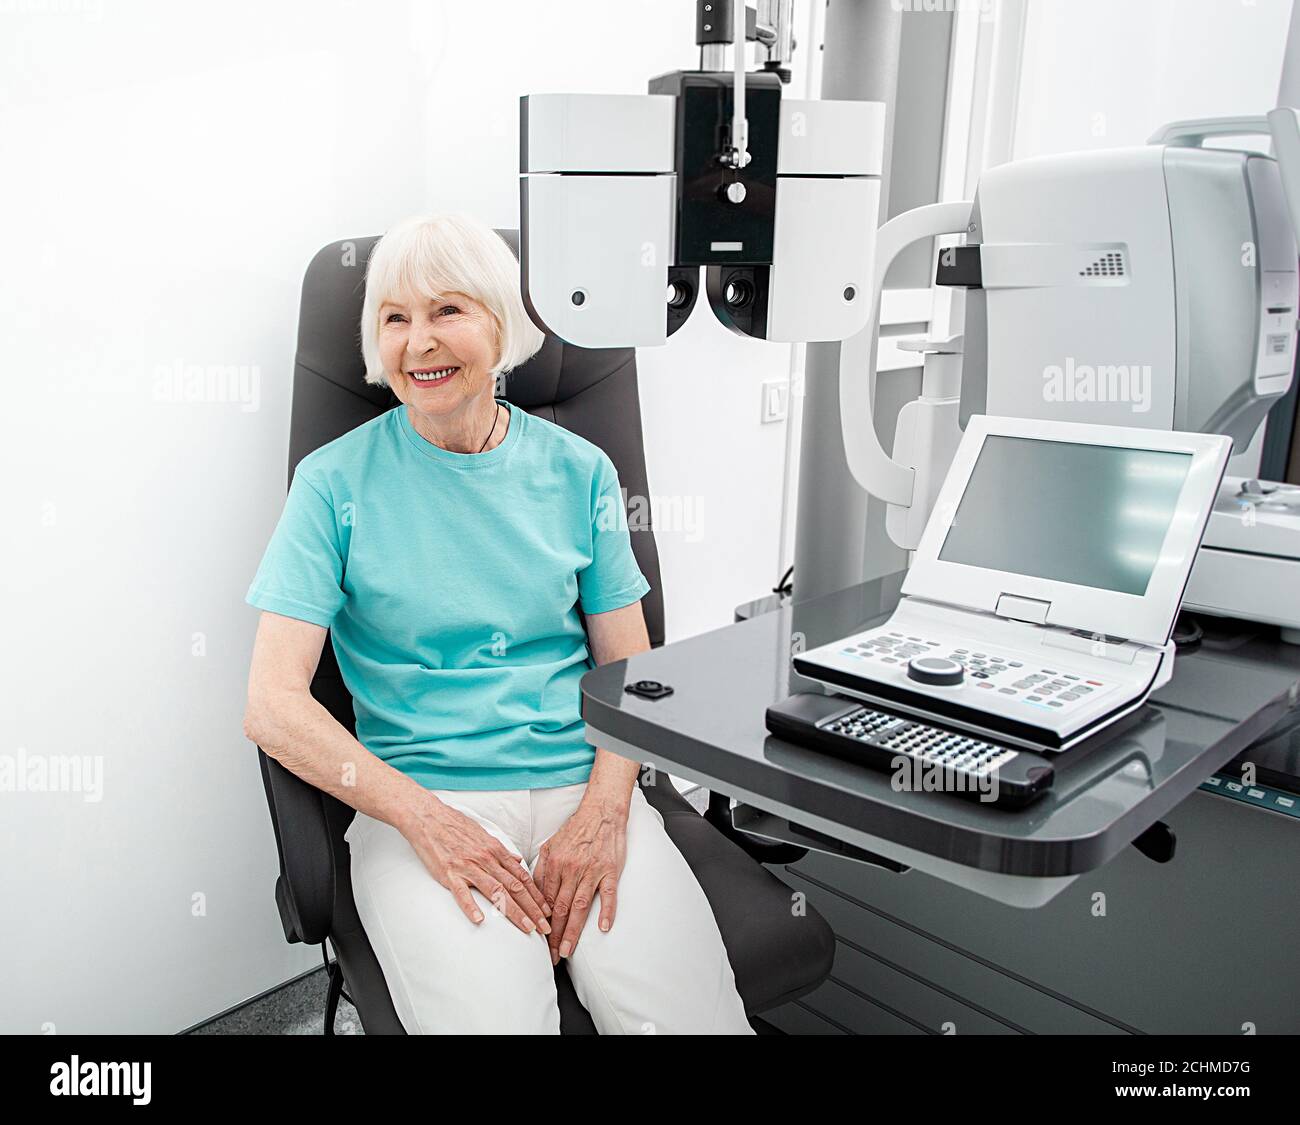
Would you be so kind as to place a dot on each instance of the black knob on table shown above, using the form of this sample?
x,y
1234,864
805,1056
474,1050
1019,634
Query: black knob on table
x,y
935,670
649,689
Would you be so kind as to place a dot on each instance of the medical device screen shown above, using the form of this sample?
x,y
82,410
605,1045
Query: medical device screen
x,y
1092,515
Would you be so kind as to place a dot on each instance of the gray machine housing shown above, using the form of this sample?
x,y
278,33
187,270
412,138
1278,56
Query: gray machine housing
x,y
1218,341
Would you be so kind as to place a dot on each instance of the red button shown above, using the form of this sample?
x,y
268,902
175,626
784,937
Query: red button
x,y
1095,683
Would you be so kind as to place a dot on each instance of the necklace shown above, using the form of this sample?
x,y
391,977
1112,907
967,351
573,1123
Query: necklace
x,y
496,417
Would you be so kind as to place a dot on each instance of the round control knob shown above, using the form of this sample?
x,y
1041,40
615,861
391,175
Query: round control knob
x,y
735,192
935,670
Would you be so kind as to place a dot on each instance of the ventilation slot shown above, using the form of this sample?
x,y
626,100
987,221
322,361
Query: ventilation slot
x,y
1110,264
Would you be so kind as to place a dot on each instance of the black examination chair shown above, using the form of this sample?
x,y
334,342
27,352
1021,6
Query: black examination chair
x,y
776,956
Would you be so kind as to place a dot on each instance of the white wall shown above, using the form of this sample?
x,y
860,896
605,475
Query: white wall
x,y
1103,73
170,171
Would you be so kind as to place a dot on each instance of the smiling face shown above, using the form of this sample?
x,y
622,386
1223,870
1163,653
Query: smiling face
x,y
438,355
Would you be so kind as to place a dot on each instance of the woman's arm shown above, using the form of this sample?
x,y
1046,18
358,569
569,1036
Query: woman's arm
x,y
586,855
287,722
615,635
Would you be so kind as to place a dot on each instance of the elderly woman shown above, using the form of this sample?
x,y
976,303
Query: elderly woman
x,y
446,544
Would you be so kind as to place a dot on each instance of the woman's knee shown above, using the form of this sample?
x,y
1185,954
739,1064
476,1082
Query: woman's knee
x,y
463,978
446,974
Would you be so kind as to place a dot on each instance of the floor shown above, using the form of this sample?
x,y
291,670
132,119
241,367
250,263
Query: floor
x,y
297,1008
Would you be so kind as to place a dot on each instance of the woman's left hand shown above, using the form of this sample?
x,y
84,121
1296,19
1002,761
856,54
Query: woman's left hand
x,y
583,859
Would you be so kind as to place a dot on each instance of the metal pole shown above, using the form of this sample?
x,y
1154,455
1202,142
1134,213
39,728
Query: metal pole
x,y
863,39
713,56
776,17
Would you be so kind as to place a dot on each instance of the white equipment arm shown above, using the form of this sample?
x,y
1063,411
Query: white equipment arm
x,y
1192,133
874,469
1281,124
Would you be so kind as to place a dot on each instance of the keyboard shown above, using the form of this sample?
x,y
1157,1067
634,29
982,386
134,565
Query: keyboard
x,y
1016,675
921,755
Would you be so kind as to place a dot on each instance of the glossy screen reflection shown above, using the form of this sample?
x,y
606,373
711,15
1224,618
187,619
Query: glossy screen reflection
x,y
1090,515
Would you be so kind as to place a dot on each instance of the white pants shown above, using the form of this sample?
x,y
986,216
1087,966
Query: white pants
x,y
661,968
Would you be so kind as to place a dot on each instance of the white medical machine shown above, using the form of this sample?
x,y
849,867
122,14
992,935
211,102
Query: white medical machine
x,y
1041,599
624,198
1153,286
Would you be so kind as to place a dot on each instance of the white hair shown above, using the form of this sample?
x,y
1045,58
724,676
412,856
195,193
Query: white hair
x,y
448,253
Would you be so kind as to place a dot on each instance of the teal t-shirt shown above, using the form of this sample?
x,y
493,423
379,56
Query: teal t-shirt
x,y
450,583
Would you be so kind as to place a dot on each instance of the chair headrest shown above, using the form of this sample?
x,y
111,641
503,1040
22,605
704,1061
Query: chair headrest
x,y
329,340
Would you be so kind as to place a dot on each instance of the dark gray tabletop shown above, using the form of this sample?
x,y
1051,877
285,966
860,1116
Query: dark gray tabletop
x,y
1223,697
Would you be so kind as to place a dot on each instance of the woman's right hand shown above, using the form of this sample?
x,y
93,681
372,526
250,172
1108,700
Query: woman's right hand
x,y
460,853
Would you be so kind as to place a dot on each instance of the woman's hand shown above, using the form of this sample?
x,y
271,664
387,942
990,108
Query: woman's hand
x,y
460,853
583,858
